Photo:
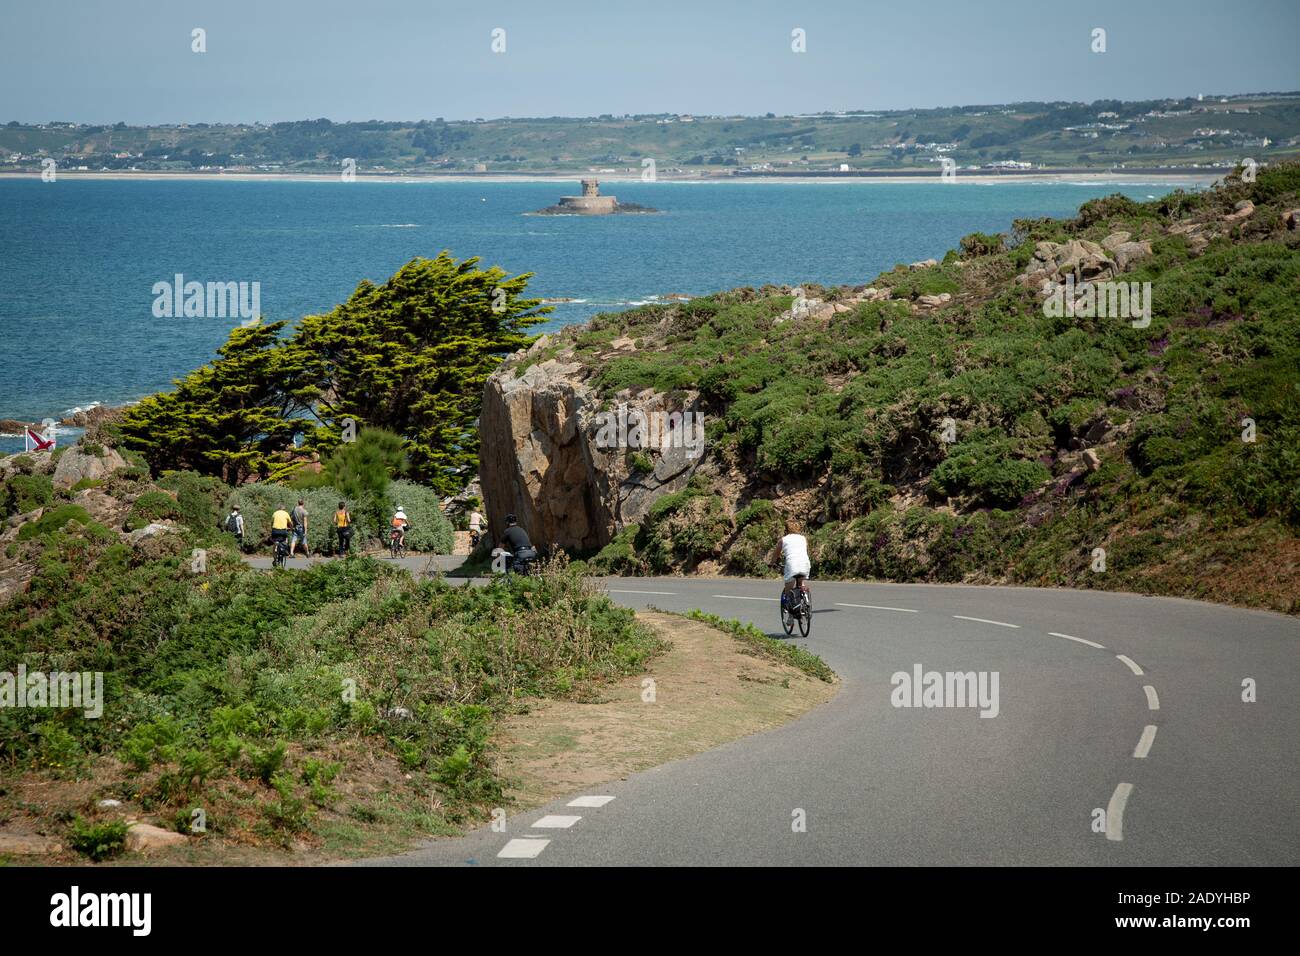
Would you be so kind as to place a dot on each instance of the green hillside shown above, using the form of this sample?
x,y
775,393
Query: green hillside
x,y
945,424
1212,131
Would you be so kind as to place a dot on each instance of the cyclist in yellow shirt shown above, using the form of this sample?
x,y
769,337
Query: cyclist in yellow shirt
x,y
280,524
343,525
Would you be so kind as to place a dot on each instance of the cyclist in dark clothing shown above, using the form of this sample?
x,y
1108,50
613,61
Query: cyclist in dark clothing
x,y
515,540
515,537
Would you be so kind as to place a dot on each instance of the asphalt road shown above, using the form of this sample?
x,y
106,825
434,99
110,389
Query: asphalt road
x,y
1150,727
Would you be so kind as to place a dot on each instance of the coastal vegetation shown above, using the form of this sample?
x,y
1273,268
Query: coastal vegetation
x,y
1174,449
273,709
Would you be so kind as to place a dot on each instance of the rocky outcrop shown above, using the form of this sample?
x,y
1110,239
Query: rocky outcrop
x,y
546,454
1083,260
76,464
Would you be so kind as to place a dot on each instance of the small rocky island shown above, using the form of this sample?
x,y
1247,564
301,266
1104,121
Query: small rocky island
x,y
591,203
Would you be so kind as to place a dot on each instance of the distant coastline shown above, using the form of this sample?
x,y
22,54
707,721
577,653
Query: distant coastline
x,y
862,176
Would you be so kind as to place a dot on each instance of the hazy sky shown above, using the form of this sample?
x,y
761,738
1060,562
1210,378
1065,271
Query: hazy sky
x,y
108,60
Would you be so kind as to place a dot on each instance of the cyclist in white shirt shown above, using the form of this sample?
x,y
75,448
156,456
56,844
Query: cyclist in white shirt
x,y
794,558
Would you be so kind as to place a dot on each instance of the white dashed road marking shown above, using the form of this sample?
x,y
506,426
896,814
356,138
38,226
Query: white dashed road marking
x,y
877,607
982,620
1131,665
595,800
629,591
556,822
1144,745
1115,812
740,597
518,849
1153,702
1079,639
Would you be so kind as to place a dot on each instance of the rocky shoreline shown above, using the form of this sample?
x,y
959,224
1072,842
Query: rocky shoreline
x,y
81,418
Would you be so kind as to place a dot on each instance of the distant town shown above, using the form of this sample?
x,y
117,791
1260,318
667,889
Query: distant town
x,y
1203,132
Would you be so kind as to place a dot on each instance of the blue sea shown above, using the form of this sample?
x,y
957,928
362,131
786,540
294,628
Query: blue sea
x,y
79,258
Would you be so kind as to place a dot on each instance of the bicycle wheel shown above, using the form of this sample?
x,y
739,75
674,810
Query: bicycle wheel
x,y
805,616
787,620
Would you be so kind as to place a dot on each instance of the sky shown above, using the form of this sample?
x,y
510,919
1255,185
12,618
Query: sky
x,y
105,61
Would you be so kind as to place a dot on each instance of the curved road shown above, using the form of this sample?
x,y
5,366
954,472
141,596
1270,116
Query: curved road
x,y
1106,702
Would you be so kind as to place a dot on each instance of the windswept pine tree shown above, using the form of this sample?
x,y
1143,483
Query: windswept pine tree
x,y
410,355
235,417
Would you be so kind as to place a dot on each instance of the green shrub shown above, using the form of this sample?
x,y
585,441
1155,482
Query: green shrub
x,y
150,507
620,555
99,841
981,244
23,493
198,499
54,520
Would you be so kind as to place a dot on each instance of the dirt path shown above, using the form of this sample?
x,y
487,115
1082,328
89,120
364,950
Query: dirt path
x,y
707,690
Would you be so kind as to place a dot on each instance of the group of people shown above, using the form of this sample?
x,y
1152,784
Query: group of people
x,y
291,526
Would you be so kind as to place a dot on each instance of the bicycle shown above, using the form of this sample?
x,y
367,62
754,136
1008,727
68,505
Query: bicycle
x,y
798,609
281,553
396,544
520,563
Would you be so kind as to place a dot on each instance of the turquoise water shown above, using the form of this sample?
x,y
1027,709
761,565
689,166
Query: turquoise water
x,y
79,259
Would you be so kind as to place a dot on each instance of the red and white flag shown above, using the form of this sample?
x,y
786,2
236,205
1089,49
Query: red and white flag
x,y
34,441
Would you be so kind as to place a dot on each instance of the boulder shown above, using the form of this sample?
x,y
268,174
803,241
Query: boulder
x,y
1090,460
1128,253
142,837
76,464
27,844
935,300
1290,218
1114,240
1085,259
545,454
1242,210
152,530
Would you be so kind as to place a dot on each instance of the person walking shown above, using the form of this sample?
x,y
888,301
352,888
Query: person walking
x,y
299,529
235,525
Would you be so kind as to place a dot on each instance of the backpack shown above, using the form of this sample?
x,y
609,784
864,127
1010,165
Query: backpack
x,y
232,524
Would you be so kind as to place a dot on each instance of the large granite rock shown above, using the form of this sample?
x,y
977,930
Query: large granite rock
x,y
542,456
76,464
